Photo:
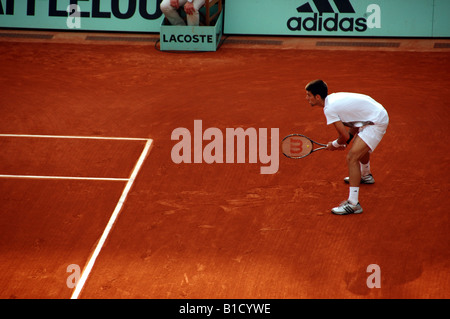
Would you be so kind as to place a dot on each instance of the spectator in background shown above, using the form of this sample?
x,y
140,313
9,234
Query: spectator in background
x,y
191,7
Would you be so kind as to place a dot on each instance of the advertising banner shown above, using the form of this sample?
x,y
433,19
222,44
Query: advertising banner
x,y
353,18
441,18
191,38
360,18
98,15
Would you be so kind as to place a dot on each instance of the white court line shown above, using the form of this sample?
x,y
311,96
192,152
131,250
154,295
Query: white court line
x,y
71,137
77,137
65,177
81,282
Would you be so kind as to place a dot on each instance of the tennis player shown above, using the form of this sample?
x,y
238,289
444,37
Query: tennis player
x,y
367,121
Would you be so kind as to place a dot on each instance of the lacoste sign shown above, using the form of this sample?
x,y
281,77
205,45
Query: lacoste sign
x,y
326,17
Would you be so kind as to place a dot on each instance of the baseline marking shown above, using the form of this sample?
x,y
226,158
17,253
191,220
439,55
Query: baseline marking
x,y
77,137
71,137
66,178
117,209
112,220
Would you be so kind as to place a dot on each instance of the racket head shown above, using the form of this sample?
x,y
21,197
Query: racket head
x,y
296,146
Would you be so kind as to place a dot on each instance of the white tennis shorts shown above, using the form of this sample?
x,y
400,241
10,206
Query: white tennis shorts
x,y
372,134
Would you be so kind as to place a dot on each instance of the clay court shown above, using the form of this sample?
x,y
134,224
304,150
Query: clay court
x,y
83,116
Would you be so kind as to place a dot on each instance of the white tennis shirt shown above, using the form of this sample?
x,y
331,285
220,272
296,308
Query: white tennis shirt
x,y
354,110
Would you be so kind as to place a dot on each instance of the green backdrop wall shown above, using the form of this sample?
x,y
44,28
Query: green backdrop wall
x,y
380,18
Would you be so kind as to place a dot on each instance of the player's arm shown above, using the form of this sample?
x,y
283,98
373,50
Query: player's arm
x,y
344,136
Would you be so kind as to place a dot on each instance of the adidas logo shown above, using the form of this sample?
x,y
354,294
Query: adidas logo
x,y
326,17
324,6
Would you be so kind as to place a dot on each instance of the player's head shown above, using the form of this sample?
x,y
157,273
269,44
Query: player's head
x,y
316,92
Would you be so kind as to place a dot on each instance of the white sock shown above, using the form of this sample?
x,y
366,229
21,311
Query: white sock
x,y
353,195
365,168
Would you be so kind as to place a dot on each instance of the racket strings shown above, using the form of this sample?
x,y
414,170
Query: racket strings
x,y
297,146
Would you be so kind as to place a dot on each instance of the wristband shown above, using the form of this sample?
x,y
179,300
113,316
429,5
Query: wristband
x,y
336,144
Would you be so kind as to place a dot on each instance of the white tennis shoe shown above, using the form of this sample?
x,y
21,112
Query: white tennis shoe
x,y
368,179
346,208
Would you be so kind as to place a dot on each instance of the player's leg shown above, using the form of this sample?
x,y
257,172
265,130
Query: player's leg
x,y
367,140
358,151
371,135
365,159
366,174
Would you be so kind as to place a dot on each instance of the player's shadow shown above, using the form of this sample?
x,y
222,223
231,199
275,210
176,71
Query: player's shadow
x,y
394,272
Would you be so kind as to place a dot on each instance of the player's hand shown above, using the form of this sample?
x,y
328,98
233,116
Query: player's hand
x,y
330,147
175,4
189,8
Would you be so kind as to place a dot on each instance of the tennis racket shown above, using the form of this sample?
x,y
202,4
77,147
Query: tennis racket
x,y
299,146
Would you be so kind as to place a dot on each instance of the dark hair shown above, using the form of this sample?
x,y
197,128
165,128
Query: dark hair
x,y
317,87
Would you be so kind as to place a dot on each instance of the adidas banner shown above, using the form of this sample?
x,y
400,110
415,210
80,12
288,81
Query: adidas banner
x,y
399,18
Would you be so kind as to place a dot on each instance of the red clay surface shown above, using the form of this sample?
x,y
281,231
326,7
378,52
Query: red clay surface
x,y
219,230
